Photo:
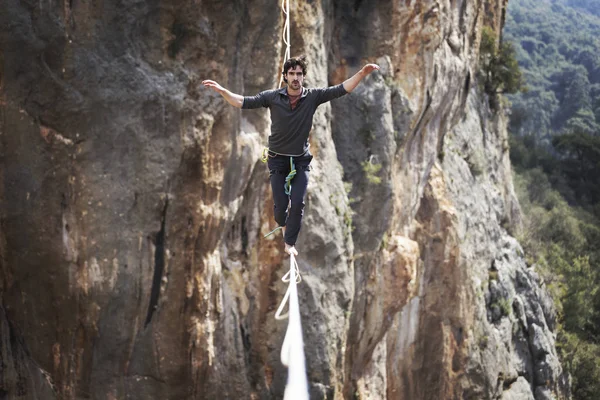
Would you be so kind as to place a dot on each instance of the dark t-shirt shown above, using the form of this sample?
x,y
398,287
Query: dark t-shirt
x,y
290,128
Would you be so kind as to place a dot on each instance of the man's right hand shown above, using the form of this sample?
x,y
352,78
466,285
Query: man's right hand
x,y
235,100
213,85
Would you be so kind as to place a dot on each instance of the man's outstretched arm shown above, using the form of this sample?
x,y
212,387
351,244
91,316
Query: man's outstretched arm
x,y
351,83
235,100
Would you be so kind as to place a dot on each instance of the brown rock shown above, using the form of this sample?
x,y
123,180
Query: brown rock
x,y
133,207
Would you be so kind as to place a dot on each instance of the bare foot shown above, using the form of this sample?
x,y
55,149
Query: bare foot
x,y
291,249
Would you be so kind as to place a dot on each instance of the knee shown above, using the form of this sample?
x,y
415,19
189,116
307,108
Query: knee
x,y
280,216
297,208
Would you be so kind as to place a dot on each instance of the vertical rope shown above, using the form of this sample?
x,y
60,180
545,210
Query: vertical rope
x,y
285,7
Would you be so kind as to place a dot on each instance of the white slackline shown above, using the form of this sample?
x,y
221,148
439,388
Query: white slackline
x,y
292,350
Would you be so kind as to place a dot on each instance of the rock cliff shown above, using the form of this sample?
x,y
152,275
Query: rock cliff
x,y
134,204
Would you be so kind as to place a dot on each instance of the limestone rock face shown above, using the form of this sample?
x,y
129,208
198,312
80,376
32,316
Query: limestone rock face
x,y
134,205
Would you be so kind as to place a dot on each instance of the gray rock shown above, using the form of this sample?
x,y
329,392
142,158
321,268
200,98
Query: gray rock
x,y
540,345
519,390
543,373
544,393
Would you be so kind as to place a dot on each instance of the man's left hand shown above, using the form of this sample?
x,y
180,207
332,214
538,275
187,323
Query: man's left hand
x,y
367,69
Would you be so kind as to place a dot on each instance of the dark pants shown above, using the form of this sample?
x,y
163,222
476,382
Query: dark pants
x,y
279,168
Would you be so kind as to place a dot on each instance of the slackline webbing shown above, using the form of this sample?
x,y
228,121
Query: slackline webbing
x,y
292,350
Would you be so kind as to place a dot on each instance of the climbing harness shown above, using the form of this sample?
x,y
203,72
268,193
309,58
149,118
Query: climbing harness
x,y
288,179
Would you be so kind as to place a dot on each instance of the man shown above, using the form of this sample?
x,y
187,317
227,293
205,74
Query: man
x,y
292,109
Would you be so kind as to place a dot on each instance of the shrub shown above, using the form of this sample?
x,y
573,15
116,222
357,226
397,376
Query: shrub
x,y
499,68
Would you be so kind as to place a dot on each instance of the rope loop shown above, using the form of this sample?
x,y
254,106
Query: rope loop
x,y
293,273
289,177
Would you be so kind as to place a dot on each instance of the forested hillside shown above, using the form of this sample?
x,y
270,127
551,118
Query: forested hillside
x,y
591,6
558,50
555,150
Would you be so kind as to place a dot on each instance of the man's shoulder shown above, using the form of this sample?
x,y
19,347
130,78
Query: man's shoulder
x,y
274,94
313,91
267,96
269,92
322,89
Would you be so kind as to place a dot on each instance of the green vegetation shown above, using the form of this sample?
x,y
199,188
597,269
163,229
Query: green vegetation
x,y
590,6
558,49
505,307
563,241
483,341
499,67
371,170
555,151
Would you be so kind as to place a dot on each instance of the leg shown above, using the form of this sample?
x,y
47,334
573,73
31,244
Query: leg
x,y
278,172
280,199
294,222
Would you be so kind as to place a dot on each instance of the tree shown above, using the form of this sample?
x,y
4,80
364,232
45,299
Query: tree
x,y
579,154
532,113
572,88
591,6
500,70
591,61
583,120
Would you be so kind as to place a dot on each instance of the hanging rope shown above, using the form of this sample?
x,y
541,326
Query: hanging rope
x,y
285,7
288,179
292,350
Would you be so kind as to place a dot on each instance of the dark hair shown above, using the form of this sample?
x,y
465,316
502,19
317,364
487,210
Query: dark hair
x,y
293,63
